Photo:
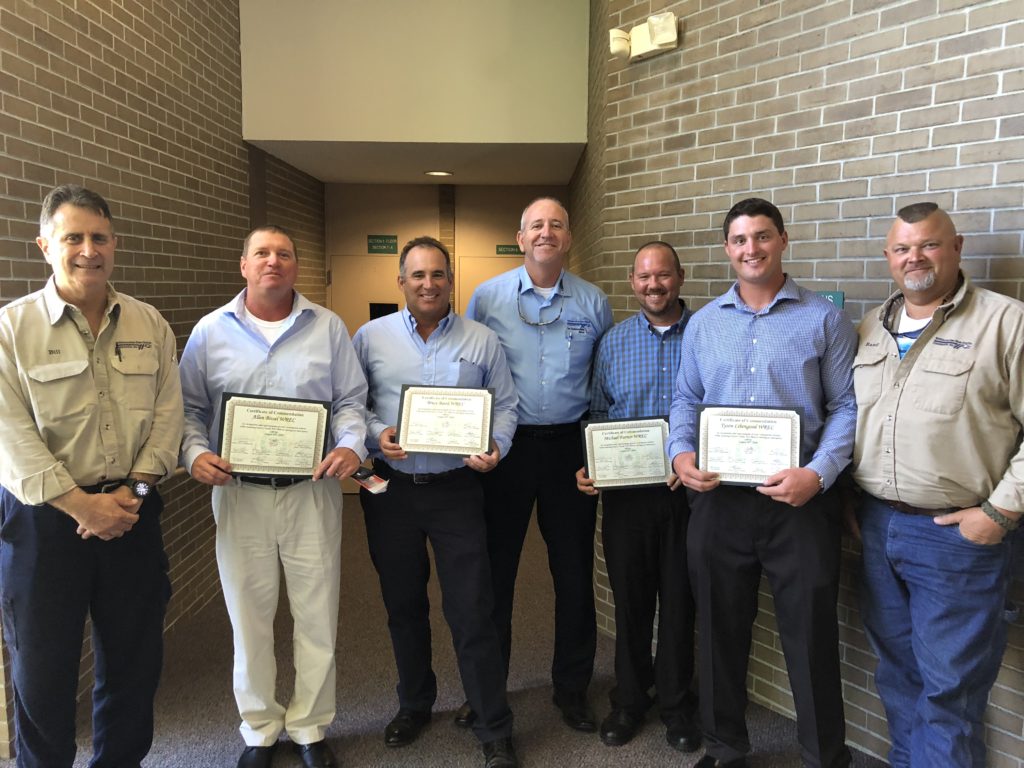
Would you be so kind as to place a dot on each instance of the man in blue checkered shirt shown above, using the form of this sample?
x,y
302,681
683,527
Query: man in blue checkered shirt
x,y
643,529
767,343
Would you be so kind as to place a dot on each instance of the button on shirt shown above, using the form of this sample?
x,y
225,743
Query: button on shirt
x,y
459,353
635,369
313,359
942,427
77,410
550,361
796,353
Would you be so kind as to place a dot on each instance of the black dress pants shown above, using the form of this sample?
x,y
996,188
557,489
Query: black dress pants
x,y
50,579
541,468
735,534
643,531
448,513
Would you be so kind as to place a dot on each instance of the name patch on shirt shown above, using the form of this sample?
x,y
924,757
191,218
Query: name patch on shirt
x,y
578,327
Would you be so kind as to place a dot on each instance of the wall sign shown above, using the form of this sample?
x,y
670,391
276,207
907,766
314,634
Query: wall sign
x,y
507,250
382,243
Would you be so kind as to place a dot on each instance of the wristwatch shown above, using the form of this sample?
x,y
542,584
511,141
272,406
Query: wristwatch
x,y
140,488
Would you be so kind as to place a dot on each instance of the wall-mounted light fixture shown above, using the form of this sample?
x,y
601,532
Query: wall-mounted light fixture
x,y
656,35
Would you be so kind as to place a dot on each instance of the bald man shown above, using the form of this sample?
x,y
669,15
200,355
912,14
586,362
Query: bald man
x,y
939,377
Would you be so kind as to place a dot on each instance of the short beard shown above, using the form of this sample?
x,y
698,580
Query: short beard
x,y
920,283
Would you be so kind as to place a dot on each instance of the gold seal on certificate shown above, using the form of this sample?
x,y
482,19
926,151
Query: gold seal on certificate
x,y
273,436
453,420
626,452
745,446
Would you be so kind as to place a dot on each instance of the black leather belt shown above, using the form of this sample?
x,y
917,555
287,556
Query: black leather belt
x,y
548,431
274,482
108,487
417,478
910,509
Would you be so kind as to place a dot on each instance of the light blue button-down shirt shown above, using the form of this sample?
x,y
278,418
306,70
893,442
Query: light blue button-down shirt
x,y
459,353
312,360
795,353
550,363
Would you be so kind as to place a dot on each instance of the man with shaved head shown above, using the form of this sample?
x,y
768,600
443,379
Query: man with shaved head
x,y
939,377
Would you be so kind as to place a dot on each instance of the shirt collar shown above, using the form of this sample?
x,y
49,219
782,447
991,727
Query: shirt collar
x,y
676,327
789,291
236,306
411,324
526,284
56,306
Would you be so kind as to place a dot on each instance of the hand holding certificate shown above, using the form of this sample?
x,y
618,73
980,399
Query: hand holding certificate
x,y
273,436
625,453
745,446
451,420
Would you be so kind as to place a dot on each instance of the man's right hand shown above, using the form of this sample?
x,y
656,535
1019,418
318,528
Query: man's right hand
x,y
685,467
211,469
389,447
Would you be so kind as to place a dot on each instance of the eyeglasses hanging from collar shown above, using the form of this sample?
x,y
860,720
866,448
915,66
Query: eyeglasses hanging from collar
x,y
539,323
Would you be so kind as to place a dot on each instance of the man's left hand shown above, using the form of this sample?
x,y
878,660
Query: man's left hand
x,y
341,462
794,486
975,525
484,462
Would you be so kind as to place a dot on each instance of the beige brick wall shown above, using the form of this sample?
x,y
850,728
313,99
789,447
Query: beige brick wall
x,y
141,101
840,113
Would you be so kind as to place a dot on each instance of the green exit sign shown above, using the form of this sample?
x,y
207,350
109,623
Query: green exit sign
x,y
382,243
507,250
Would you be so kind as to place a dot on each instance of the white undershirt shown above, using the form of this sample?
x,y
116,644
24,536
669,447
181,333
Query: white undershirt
x,y
545,292
270,330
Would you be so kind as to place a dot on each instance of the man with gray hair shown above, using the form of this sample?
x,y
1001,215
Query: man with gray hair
x,y
91,408
939,377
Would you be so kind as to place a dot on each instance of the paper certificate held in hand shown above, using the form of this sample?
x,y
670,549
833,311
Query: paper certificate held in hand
x,y
626,452
453,420
273,436
745,446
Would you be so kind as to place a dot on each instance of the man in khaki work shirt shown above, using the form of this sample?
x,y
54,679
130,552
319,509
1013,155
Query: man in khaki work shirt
x,y
91,406
939,377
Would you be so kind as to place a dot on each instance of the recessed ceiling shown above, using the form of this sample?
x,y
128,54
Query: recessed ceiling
x,y
406,163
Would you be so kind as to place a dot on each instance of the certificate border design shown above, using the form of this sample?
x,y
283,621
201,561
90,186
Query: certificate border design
x,y
589,428
409,391
231,400
794,415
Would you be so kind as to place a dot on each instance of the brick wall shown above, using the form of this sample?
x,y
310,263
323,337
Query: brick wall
x,y
841,113
141,101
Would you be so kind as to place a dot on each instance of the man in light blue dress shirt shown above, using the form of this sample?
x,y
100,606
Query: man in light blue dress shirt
x,y
767,343
435,497
271,340
549,322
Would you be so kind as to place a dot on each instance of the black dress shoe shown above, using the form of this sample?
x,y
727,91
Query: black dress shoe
x,y
465,716
500,754
256,757
316,755
683,734
711,762
575,712
619,727
405,727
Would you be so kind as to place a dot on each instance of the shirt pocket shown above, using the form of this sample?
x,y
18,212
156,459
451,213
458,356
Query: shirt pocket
x,y
938,385
136,384
580,338
60,391
465,374
868,372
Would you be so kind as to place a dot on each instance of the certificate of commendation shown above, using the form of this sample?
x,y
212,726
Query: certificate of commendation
x,y
626,452
453,420
745,446
273,436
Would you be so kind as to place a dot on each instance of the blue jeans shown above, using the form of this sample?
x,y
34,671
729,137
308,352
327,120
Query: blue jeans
x,y
932,605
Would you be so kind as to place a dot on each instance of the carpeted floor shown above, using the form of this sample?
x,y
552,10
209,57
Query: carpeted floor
x,y
197,721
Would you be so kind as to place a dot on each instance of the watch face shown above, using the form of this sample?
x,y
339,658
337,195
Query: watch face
x,y
141,488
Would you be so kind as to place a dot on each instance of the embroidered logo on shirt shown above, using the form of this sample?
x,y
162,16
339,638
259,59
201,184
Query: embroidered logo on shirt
x,y
578,326
121,346
954,343
53,352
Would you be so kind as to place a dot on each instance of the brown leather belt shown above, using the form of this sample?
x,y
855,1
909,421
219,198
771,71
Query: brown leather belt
x,y
910,509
